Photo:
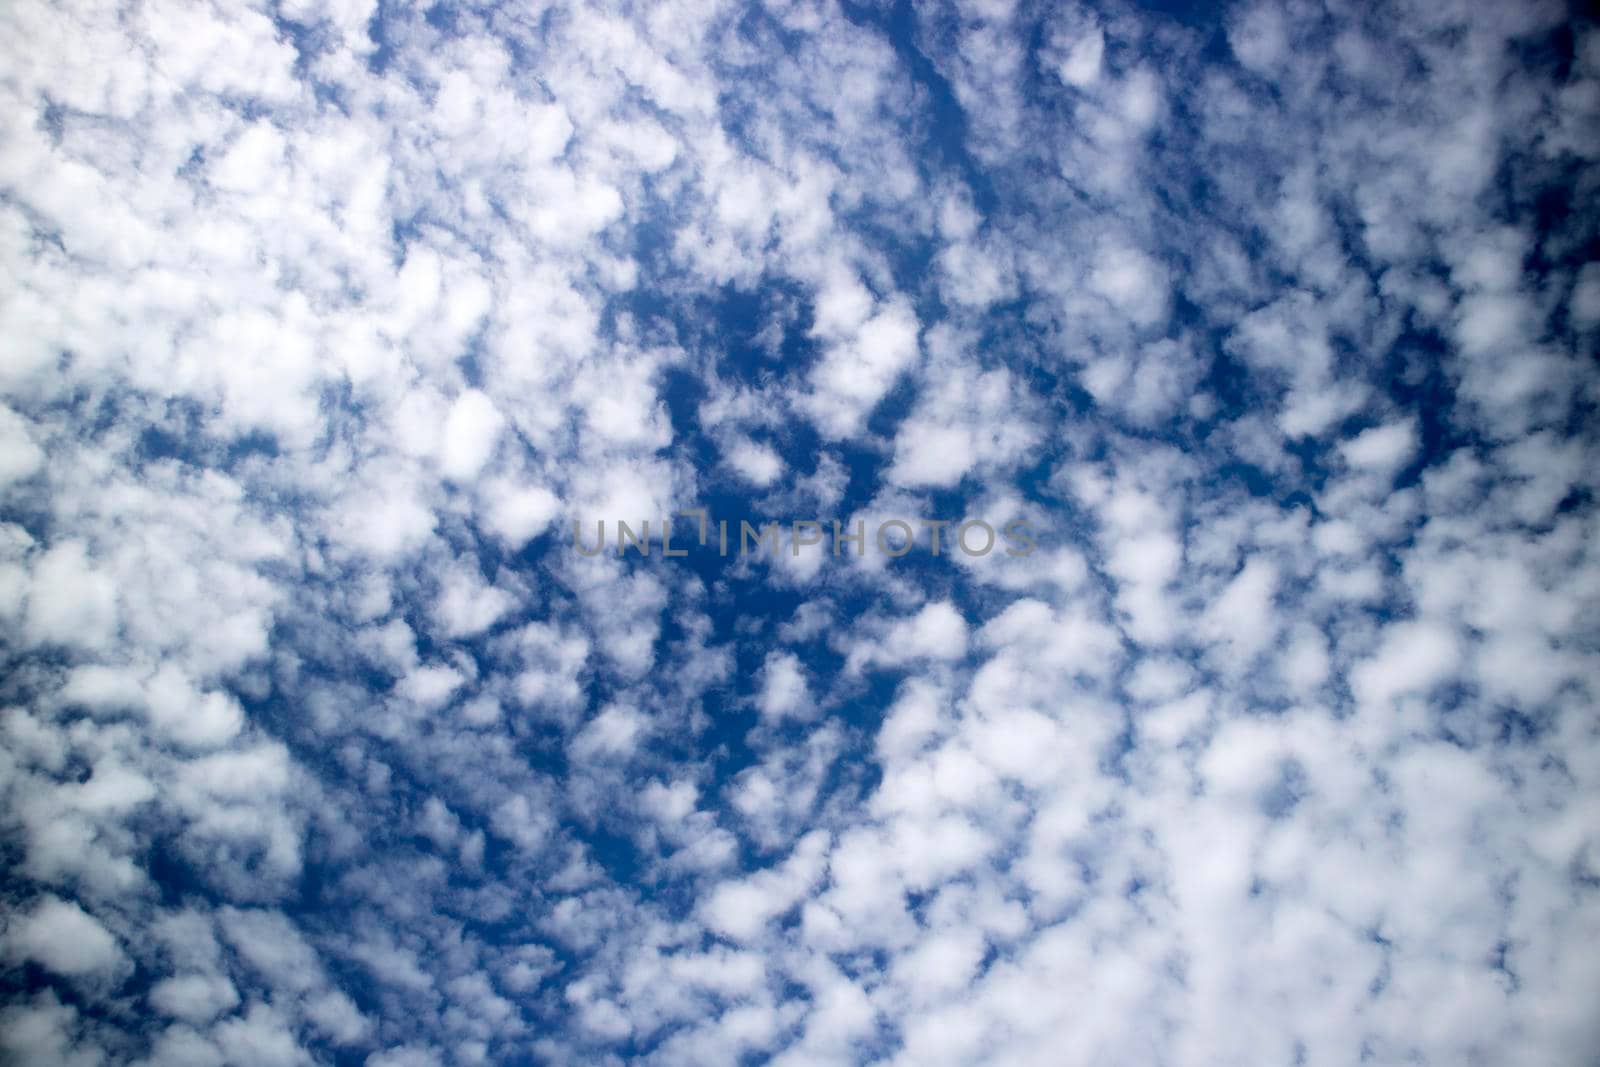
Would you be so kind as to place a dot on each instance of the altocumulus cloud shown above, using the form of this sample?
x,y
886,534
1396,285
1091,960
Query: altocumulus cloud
x,y
1275,324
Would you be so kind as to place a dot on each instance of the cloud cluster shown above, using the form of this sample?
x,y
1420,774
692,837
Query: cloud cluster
x,y
320,744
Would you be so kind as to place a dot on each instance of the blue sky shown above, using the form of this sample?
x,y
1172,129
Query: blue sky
x,y
1274,323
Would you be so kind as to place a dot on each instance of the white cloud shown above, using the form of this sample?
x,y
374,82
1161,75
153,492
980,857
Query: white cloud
x,y
936,632
19,455
863,361
1411,658
467,605
519,513
1242,618
1586,296
966,421
65,939
784,691
1260,38
1382,448
1131,282
1080,65
71,601
471,431
194,998
614,732
755,463
739,910
313,331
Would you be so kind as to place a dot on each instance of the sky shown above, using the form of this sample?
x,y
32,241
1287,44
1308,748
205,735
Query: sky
x,y
1271,328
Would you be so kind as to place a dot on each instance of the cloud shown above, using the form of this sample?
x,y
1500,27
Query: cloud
x,y
20,457
321,742
784,691
936,632
470,431
739,910
195,999
1383,448
1411,658
866,353
519,513
71,601
755,463
965,421
65,939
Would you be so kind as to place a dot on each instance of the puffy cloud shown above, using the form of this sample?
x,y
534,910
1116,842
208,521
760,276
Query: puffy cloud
x,y
64,938
741,909
866,353
323,322
70,600
19,455
755,463
1383,448
784,691
470,432
194,998
520,513
936,632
